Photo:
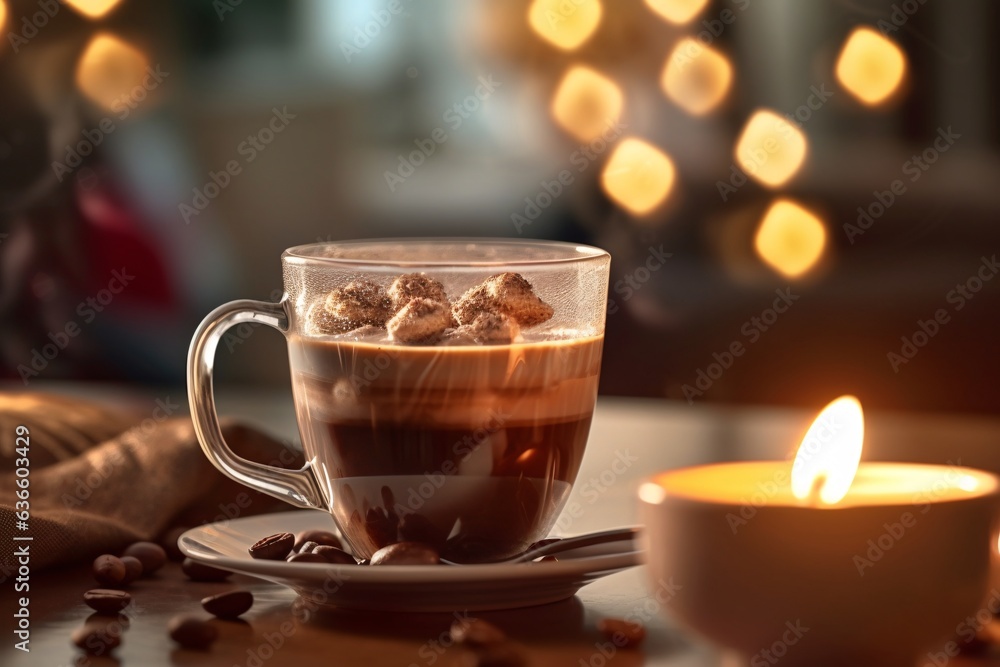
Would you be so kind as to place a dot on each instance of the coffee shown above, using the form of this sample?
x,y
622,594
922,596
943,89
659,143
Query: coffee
x,y
469,448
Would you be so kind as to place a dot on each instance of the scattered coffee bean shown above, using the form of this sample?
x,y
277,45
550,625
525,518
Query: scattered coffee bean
x,y
191,632
229,604
196,571
306,558
406,553
273,547
505,654
133,569
307,548
96,638
334,555
476,632
169,543
621,633
109,570
151,555
322,537
106,601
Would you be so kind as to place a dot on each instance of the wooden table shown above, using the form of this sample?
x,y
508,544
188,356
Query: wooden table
x,y
656,435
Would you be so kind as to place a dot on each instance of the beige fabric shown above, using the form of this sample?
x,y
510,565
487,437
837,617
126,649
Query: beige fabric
x,y
90,497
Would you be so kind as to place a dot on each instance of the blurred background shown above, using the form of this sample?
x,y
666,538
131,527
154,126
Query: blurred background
x,y
800,198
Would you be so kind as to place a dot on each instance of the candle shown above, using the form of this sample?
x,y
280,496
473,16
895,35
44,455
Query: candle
x,y
825,560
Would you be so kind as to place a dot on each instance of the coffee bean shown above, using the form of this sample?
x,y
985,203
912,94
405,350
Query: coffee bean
x,y
322,537
272,547
307,547
505,654
151,555
106,601
191,632
96,638
335,555
476,632
169,543
229,604
196,571
364,561
133,569
109,570
624,634
406,553
306,558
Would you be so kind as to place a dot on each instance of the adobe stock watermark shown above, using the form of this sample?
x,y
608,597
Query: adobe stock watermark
x,y
899,16
453,117
651,607
714,27
894,532
433,649
802,114
772,655
32,23
594,488
248,149
580,159
364,35
966,631
913,169
462,450
123,106
87,311
957,298
241,333
634,280
752,330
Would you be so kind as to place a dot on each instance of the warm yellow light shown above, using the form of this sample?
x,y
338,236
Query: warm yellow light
x,y
3,12
565,23
770,149
696,77
870,66
830,453
790,238
677,11
92,8
586,102
638,176
109,68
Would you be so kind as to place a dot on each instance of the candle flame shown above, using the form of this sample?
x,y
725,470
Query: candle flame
x,y
830,453
566,25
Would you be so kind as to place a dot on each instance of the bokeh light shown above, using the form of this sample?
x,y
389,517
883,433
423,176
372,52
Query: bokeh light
x,y
696,77
3,12
790,238
771,150
870,66
110,68
565,24
586,102
638,176
677,11
92,8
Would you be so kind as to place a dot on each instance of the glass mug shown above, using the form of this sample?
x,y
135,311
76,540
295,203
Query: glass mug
x,y
470,442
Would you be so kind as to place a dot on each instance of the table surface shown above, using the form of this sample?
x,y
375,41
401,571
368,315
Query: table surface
x,y
657,435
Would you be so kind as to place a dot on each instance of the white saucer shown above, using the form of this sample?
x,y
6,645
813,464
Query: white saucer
x,y
400,587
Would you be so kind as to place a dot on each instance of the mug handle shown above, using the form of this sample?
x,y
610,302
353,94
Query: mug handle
x,y
298,487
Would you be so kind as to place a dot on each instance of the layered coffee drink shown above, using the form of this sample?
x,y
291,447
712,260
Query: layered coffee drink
x,y
455,420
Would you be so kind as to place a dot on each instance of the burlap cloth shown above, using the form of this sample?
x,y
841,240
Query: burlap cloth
x,y
101,478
